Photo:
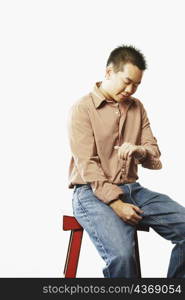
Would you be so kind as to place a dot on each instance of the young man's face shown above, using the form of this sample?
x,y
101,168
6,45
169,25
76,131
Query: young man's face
x,y
121,85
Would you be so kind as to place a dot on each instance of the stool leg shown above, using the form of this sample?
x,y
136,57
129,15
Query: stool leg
x,y
73,253
137,255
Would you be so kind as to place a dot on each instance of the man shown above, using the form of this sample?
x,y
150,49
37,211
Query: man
x,y
109,135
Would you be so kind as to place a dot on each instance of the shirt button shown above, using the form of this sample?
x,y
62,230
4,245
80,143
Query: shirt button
x,y
117,112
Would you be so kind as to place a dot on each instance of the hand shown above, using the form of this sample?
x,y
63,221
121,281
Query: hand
x,y
127,149
128,212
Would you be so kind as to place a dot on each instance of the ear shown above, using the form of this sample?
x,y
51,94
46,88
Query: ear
x,y
109,71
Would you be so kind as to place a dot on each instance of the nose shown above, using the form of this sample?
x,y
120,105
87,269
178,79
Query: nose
x,y
129,89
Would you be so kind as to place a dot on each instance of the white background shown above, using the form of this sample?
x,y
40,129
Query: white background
x,y
52,53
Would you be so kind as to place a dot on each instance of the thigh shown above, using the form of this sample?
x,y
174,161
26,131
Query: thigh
x,y
161,212
110,234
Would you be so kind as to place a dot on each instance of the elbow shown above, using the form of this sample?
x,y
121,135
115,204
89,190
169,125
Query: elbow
x,y
158,165
154,164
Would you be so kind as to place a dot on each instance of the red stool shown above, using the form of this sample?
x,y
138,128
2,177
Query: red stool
x,y
71,263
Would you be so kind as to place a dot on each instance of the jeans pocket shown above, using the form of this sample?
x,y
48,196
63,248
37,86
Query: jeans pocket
x,y
83,189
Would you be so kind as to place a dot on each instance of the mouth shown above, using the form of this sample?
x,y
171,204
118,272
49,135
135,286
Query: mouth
x,y
124,96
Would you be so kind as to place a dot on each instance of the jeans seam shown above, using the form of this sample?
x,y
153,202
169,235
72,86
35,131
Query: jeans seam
x,y
176,232
130,192
94,231
154,218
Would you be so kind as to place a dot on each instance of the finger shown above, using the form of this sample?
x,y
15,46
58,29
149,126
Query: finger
x,y
133,220
119,153
130,152
124,155
137,209
137,218
116,147
131,223
127,153
124,152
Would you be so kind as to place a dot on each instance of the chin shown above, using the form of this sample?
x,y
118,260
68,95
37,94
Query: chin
x,y
122,100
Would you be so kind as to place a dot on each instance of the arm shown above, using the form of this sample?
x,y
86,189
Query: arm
x,y
150,159
83,148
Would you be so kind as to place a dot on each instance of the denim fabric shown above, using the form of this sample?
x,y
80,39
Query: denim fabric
x,y
114,239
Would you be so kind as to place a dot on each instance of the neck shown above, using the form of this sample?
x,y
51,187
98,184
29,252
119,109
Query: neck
x,y
104,92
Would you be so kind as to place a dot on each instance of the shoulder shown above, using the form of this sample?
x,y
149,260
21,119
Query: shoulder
x,y
138,103
82,103
81,107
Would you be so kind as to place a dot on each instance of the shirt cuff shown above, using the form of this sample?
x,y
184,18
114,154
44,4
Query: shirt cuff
x,y
106,191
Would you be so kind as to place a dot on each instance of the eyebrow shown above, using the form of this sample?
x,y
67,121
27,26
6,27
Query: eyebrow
x,y
132,80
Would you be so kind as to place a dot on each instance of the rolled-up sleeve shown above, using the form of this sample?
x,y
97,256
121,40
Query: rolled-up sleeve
x,y
153,153
84,152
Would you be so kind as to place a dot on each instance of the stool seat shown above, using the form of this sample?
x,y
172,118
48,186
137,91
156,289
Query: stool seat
x,y
70,223
73,252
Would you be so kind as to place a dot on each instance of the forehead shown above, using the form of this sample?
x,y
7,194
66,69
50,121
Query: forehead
x,y
131,71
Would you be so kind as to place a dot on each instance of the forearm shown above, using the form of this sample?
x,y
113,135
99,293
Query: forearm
x,y
92,173
84,152
141,154
152,158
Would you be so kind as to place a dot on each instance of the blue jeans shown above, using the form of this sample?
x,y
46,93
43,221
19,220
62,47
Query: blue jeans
x,y
114,238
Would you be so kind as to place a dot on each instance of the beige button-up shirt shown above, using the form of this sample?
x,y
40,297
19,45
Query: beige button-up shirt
x,y
95,126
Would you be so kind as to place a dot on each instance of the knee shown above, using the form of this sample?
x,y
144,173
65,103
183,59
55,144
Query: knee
x,y
121,264
123,256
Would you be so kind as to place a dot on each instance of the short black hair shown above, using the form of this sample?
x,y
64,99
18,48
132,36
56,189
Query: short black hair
x,y
126,54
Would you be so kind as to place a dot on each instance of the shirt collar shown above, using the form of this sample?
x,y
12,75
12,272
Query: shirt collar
x,y
99,98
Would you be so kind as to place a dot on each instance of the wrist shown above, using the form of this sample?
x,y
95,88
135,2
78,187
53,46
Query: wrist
x,y
114,202
140,153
